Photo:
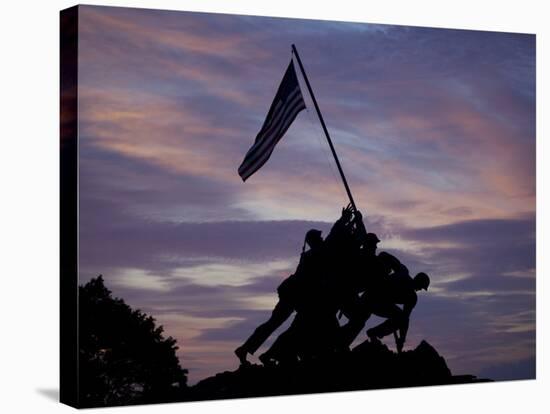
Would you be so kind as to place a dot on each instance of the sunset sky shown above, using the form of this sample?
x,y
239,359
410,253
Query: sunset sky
x,y
435,130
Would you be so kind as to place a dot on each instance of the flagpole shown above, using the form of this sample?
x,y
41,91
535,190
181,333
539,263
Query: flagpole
x,y
324,128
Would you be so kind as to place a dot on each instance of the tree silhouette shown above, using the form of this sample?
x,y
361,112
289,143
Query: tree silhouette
x,y
124,358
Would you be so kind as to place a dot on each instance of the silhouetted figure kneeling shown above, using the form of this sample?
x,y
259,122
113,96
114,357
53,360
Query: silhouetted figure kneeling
x,y
399,288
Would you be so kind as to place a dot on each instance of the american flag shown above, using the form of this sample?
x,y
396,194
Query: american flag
x,y
287,104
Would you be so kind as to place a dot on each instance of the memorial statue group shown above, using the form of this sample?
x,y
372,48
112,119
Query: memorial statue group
x,y
339,275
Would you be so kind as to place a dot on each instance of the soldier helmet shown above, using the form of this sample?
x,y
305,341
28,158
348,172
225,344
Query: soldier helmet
x,y
371,238
313,234
422,280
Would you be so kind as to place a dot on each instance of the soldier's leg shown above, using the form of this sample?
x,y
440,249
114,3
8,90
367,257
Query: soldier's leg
x,y
284,348
395,317
280,314
357,312
328,335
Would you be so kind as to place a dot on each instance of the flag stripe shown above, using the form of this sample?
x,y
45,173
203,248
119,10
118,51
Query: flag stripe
x,y
260,156
268,143
265,156
286,105
280,108
270,134
259,163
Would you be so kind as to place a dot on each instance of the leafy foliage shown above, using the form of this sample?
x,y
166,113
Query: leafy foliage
x,y
124,358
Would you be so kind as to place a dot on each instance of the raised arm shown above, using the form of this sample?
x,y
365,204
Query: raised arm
x,y
341,226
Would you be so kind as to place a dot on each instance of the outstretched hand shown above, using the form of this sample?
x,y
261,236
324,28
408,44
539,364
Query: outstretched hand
x,y
347,212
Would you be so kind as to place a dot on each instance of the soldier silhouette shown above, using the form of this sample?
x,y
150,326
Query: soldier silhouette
x,y
398,288
314,297
367,272
290,292
383,281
